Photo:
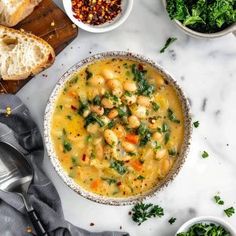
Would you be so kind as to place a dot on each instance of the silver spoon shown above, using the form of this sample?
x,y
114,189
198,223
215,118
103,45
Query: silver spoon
x,y
16,175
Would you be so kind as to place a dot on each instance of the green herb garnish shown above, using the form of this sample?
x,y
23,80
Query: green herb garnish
x,y
74,161
66,146
141,212
109,180
97,101
205,154
155,106
229,211
172,116
88,74
169,41
144,88
196,124
172,220
140,177
93,118
218,200
144,133
118,166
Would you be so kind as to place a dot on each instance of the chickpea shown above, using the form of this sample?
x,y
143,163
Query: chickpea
x,y
97,109
108,73
157,136
130,86
143,101
160,81
113,114
153,124
105,119
129,147
113,84
119,131
133,122
140,112
86,113
129,99
96,80
99,151
107,103
160,154
93,128
117,92
110,137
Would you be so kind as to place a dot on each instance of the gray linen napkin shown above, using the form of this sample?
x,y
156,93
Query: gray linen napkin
x,y
19,129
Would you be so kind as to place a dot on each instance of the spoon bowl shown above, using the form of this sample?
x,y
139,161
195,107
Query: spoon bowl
x,y
16,175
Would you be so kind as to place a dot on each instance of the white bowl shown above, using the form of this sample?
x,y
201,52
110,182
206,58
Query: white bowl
x,y
126,6
206,219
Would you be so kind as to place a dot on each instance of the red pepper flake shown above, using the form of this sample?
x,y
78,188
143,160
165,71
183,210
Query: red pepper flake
x,y
84,157
73,108
119,184
96,12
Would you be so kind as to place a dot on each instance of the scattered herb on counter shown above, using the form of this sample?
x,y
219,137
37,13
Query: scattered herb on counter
x,y
196,124
203,16
203,229
118,166
205,154
172,220
144,88
218,200
172,117
229,211
169,41
142,212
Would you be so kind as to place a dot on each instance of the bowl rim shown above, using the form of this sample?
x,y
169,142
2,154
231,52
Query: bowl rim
x,y
50,148
109,26
207,219
196,34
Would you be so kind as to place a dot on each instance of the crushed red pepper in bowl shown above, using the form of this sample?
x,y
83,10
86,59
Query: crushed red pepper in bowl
x,y
96,12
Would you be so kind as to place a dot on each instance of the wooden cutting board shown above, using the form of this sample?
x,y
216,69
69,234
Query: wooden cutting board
x,y
49,22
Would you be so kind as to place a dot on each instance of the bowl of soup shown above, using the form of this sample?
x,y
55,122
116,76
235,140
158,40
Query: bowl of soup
x,y
117,128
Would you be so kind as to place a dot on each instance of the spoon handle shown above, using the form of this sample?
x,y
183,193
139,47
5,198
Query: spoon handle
x,y
38,226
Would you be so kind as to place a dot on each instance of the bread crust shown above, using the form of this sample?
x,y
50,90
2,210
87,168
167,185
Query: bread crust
x,y
48,59
24,10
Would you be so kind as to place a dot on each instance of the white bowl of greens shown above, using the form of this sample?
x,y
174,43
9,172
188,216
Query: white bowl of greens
x,y
203,19
204,226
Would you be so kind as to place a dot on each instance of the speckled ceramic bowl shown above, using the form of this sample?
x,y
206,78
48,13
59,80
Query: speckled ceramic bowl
x,y
51,150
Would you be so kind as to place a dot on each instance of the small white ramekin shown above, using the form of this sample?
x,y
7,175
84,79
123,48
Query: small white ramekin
x,y
207,219
126,6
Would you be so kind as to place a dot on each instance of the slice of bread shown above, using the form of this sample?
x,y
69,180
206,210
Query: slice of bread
x,y
22,54
13,11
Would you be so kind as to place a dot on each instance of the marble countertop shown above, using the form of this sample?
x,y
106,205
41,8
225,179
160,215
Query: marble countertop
x,y
206,70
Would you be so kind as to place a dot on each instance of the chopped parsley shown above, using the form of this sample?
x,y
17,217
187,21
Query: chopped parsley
x,y
144,88
83,107
172,220
118,166
145,134
74,161
218,200
172,152
142,212
66,146
93,118
172,116
140,177
97,101
155,106
109,180
196,124
88,74
205,154
169,41
229,211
